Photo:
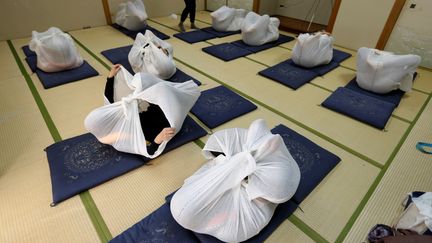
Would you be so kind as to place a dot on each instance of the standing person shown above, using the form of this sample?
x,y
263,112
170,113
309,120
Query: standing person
x,y
189,9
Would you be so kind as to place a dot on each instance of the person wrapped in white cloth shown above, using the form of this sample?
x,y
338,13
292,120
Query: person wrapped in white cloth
x,y
381,72
233,196
228,19
132,15
258,30
312,50
149,54
141,112
55,50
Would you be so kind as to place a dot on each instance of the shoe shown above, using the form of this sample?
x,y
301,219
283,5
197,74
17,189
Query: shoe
x,y
181,26
193,26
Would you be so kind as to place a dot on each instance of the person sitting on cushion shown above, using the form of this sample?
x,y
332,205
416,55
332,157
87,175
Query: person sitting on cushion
x,y
258,30
132,15
55,50
312,50
149,54
141,112
381,72
228,19
234,195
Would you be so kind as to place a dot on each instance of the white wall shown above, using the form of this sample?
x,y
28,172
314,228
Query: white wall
x,y
268,7
303,9
157,8
213,5
360,23
244,4
413,32
19,17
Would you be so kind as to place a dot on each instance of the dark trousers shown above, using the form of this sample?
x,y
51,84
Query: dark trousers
x,y
189,9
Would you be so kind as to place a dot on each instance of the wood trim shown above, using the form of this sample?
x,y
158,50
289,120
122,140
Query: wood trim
x,y
333,16
107,12
256,6
205,5
391,22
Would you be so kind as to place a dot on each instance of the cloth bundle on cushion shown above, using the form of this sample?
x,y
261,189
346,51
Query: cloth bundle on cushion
x,y
55,50
313,50
228,19
382,72
118,124
149,54
233,196
258,30
132,15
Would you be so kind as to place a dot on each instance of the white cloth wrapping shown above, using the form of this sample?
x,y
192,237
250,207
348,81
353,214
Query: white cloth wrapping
x,y
258,30
146,56
132,15
424,205
382,72
55,50
228,19
233,196
313,50
118,124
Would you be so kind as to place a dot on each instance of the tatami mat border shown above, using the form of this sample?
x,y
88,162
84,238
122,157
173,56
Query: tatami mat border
x,y
374,185
94,214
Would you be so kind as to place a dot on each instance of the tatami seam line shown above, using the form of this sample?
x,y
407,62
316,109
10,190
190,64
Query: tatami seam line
x,y
306,229
299,224
349,150
367,159
92,205
283,115
265,65
100,227
352,151
378,179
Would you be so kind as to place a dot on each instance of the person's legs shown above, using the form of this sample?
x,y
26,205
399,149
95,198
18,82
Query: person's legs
x,y
192,9
184,16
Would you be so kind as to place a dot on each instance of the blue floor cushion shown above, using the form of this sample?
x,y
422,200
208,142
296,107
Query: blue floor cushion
x,y
364,108
195,36
132,34
226,51
289,74
219,105
80,163
220,34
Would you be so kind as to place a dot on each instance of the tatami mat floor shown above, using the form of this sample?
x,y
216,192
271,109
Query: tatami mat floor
x,y
377,169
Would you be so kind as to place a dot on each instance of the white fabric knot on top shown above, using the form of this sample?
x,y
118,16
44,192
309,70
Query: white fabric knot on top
x,y
233,196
